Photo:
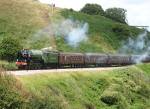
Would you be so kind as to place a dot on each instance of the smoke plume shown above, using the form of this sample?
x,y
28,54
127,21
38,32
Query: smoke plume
x,y
139,47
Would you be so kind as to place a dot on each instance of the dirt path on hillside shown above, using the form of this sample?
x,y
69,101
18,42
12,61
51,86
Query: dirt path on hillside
x,y
31,72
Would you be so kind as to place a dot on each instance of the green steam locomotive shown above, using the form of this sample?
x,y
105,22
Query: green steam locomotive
x,y
36,59
42,59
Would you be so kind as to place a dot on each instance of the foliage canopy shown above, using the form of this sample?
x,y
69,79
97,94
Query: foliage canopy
x,y
93,9
117,14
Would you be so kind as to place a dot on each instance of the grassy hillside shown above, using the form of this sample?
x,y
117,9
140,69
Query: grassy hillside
x,y
101,36
127,88
22,18
26,19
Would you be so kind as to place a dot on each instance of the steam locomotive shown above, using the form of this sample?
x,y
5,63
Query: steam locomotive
x,y
42,59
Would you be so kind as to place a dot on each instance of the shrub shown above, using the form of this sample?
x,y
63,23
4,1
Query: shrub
x,y
9,48
110,98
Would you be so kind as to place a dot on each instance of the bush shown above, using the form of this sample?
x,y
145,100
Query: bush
x,y
93,9
9,48
110,98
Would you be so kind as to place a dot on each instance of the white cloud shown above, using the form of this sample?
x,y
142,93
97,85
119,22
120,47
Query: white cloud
x,y
137,10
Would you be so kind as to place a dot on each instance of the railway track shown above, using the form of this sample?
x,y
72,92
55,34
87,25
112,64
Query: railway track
x,y
33,72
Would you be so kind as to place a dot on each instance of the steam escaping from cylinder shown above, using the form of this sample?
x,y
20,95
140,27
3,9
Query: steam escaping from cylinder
x,y
139,47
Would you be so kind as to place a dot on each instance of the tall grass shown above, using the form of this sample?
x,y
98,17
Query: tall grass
x,y
12,95
126,88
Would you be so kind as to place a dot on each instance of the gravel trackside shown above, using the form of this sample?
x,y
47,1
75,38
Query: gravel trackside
x,y
32,72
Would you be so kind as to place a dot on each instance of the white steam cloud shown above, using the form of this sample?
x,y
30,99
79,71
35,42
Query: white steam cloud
x,y
139,47
72,31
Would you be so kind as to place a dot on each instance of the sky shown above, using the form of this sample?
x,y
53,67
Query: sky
x,y
137,10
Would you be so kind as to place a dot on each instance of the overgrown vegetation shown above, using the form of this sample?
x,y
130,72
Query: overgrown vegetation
x,y
126,88
11,93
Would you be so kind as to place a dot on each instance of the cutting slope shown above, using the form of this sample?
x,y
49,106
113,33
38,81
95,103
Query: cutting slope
x,y
127,88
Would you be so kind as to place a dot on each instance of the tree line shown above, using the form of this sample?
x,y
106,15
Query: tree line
x,y
116,14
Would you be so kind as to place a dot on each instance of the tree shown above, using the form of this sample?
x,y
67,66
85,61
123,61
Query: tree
x,y
117,14
9,48
93,9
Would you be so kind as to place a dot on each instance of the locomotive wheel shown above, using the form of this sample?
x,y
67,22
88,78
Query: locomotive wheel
x,y
20,67
35,66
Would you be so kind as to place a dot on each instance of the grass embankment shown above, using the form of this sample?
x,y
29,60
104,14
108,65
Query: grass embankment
x,y
127,88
